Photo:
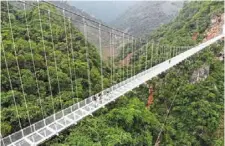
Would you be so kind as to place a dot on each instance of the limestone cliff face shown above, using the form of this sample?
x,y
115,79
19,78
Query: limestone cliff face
x,y
215,28
200,74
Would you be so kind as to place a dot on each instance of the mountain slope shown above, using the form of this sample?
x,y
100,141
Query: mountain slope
x,y
47,73
197,108
146,16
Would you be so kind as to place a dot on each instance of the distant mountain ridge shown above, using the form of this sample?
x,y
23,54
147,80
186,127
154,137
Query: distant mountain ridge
x,y
144,17
69,7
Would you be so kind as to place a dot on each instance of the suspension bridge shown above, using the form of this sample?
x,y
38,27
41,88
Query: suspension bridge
x,y
40,131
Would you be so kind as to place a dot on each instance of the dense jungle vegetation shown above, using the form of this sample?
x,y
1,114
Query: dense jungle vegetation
x,y
197,110
58,61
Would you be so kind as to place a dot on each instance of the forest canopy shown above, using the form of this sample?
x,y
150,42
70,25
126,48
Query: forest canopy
x,y
44,69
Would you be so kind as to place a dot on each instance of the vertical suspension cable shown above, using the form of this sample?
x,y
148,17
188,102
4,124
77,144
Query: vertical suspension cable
x,y
87,57
100,53
18,68
73,58
128,62
146,56
123,57
113,42
46,61
132,57
163,53
32,58
11,87
176,51
173,51
152,52
157,54
139,56
111,57
68,54
55,61
135,57
160,53
169,53
115,47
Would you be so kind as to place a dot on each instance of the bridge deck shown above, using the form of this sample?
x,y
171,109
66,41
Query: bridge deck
x,y
52,125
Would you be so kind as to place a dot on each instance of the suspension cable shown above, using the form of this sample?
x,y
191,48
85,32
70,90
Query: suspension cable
x,y
73,58
111,58
68,54
132,65
113,65
128,61
123,56
32,57
146,57
91,20
18,68
152,52
46,61
139,56
81,22
11,87
157,54
100,53
87,57
170,52
135,49
114,47
55,62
